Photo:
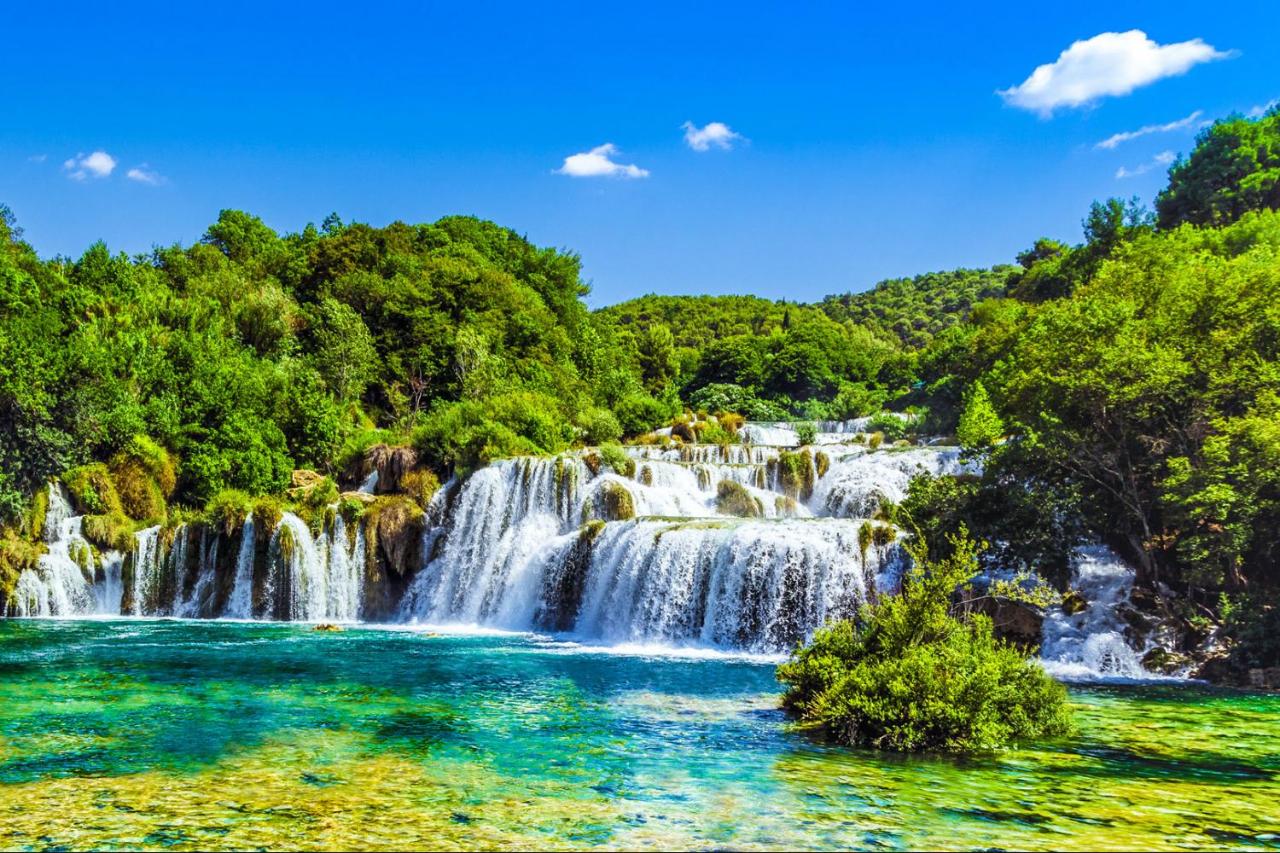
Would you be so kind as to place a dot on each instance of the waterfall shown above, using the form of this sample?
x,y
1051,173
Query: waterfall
x,y
860,480
61,583
315,578
148,566
240,602
1091,643
108,592
198,600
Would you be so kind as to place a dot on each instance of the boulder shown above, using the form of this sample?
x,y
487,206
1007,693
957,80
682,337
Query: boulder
x,y
1015,621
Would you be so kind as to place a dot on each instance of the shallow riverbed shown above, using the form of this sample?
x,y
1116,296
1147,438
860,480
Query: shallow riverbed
x,y
199,735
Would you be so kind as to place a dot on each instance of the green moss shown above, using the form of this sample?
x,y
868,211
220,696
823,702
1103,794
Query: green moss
x,y
227,510
611,502
267,512
420,484
618,460
92,490
36,514
734,499
875,440
822,463
109,531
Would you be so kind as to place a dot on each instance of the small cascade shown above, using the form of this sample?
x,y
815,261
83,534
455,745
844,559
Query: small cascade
x,y
148,568
198,600
859,481
240,602
108,591
1091,644
61,583
312,577
370,483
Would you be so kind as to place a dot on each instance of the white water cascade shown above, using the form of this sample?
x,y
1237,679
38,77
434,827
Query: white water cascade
x,y
670,567
61,583
312,577
1090,644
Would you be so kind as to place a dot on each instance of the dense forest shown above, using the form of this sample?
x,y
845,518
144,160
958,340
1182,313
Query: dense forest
x,y
1126,387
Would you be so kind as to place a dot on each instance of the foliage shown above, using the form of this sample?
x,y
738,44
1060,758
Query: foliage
x,y
617,459
980,425
1235,168
734,499
908,675
806,432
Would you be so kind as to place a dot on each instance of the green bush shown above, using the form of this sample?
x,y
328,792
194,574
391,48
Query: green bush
x,y
907,675
806,432
599,426
891,426
639,413
734,499
617,459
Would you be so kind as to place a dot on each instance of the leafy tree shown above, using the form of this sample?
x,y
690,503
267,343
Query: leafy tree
x,y
344,352
980,425
1235,168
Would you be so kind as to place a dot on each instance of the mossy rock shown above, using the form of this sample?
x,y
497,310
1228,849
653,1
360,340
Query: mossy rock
x,y
393,533
821,464
875,440
36,515
593,462
794,473
421,485
612,501
786,507
227,510
1073,602
684,432
734,499
616,458
391,463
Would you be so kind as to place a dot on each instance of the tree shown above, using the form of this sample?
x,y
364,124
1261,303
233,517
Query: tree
x,y
344,353
1235,168
980,424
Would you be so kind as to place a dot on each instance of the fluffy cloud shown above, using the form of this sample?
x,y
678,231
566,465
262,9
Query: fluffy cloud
x,y
1164,158
715,133
1107,64
596,163
144,174
99,164
1128,135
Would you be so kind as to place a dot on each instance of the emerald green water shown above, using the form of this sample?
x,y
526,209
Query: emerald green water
x,y
208,735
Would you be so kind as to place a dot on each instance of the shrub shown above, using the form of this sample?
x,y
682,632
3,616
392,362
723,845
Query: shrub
x,y
875,440
599,426
109,531
638,413
421,484
979,426
91,489
907,675
889,425
806,432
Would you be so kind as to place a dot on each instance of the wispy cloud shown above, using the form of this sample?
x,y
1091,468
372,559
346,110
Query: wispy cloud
x,y
1261,109
37,158
1192,120
596,163
1107,64
144,174
99,164
1164,158
715,133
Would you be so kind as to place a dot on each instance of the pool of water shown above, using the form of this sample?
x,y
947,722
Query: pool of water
x,y
213,735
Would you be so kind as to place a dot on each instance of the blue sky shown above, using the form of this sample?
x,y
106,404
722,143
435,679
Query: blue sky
x,y
873,140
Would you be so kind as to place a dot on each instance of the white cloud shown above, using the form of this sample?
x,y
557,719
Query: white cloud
x,y
596,164
144,174
1164,158
1107,64
37,158
1129,135
99,164
715,133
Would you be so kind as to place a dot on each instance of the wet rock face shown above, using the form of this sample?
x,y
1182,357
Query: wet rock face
x,y
391,463
1014,621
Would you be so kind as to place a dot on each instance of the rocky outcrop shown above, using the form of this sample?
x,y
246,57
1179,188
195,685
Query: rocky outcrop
x,y
1014,621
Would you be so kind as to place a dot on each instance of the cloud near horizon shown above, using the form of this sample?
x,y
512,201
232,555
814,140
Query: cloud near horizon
x,y
1109,64
1164,158
99,164
1115,140
715,133
596,163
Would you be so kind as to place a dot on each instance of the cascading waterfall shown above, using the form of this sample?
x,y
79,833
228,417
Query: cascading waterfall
x,y
1091,643
61,583
240,602
570,546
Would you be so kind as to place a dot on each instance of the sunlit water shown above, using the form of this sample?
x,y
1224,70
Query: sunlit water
x,y
214,735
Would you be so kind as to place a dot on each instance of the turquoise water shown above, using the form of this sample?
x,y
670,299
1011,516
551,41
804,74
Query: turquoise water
x,y
198,735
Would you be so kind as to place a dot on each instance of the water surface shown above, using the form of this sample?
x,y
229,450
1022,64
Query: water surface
x,y
215,735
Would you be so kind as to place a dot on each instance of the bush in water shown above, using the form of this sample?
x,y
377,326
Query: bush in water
x,y
907,675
